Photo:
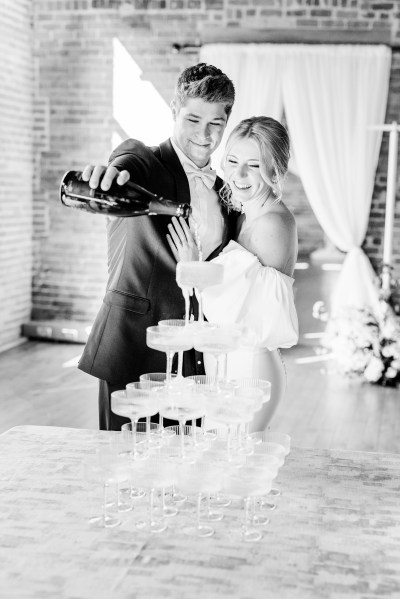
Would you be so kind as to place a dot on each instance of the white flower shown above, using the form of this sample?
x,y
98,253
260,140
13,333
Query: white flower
x,y
391,373
363,344
390,329
388,350
359,360
342,346
374,370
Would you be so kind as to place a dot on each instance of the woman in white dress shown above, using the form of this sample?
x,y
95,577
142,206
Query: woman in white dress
x,y
257,289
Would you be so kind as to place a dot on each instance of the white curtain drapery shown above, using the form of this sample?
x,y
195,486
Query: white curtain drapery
x,y
331,95
255,70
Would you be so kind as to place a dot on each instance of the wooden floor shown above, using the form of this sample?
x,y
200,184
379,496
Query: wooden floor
x,y
40,384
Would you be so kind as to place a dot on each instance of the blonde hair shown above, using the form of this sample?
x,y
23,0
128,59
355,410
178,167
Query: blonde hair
x,y
273,142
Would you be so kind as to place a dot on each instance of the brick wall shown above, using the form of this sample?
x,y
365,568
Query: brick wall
x,y
15,168
373,244
73,125
75,121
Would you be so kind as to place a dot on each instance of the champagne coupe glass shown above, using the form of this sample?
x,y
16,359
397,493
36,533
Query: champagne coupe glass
x,y
121,405
269,448
94,474
106,467
248,482
251,400
216,457
134,402
218,342
198,275
195,441
225,407
118,445
155,377
181,404
177,322
272,463
252,383
266,444
169,340
272,437
200,384
141,393
151,479
179,379
152,379
206,386
159,379
168,480
174,442
198,479
143,431
149,433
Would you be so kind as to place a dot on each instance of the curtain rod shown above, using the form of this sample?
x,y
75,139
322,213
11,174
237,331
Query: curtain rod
x,y
187,48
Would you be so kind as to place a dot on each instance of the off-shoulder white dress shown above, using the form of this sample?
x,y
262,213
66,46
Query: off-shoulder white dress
x,y
260,298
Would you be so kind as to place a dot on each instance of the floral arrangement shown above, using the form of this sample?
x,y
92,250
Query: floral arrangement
x,y
366,347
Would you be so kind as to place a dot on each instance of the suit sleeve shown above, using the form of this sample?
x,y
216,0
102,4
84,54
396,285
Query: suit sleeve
x,y
132,155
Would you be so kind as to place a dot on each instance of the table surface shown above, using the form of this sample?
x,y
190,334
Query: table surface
x,y
335,533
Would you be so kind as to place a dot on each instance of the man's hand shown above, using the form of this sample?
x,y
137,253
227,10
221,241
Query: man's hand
x,y
181,241
104,176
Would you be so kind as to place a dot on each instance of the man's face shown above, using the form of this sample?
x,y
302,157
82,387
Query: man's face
x,y
198,128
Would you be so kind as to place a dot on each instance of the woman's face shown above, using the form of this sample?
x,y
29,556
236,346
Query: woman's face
x,y
242,171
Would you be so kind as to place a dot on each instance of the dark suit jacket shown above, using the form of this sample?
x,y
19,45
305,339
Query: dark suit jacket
x,y
146,291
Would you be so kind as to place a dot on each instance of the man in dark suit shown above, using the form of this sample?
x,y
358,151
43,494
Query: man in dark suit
x,y
141,288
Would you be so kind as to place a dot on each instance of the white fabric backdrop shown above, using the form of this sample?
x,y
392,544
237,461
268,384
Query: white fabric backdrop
x,y
331,96
256,71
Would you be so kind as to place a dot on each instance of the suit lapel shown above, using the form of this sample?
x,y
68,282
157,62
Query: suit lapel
x,y
173,164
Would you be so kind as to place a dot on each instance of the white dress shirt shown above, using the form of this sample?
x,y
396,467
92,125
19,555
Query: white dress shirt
x,y
206,218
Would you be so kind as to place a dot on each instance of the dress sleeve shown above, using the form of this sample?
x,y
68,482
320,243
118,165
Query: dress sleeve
x,y
260,298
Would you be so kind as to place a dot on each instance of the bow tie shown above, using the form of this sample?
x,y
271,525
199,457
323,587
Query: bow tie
x,y
207,176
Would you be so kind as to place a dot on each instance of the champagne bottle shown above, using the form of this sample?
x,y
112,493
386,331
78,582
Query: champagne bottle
x,y
120,200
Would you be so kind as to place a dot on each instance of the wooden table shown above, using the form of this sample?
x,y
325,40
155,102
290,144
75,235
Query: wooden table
x,y
335,533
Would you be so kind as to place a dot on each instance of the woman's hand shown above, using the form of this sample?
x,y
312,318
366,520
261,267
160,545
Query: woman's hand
x,y
181,241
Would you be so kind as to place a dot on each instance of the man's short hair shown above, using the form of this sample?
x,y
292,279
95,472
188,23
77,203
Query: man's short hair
x,y
206,82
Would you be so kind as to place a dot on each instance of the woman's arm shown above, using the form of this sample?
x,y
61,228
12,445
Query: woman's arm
x,y
273,240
